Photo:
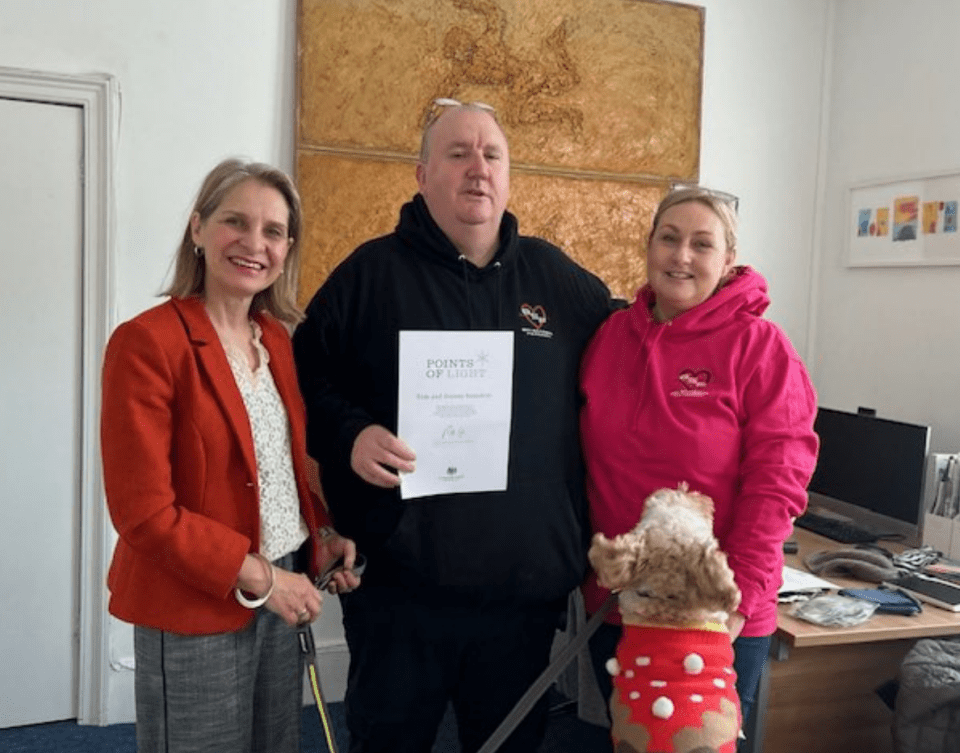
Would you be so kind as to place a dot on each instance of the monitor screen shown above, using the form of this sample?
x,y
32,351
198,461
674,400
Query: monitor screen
x,y
873,466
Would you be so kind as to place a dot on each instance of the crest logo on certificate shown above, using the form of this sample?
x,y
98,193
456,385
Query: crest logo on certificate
x,y
454,409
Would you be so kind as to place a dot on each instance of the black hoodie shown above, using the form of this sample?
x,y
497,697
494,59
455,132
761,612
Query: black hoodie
x,y
523,545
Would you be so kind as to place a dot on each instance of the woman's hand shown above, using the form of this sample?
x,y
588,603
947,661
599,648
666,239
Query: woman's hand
x,y
292,595
333,546
735,624
294,598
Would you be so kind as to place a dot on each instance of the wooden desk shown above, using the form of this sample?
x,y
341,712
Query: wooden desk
x,y
819,689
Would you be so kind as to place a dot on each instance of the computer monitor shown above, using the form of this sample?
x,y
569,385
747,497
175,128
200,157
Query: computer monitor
x,y
871,470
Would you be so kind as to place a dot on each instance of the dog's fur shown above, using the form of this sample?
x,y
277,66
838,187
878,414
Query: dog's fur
x,y
671,573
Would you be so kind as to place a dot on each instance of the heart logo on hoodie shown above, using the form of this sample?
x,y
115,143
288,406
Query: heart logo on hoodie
x,y
695,380
536,315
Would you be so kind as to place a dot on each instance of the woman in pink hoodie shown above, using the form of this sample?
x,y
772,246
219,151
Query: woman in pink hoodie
x,y
691,384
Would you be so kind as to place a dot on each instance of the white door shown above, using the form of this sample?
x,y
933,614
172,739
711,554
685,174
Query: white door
x,y
41,210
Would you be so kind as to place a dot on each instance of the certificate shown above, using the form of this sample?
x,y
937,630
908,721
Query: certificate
x,y
454,407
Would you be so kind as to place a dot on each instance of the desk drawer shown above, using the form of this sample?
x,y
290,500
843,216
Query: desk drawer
x,y
822,698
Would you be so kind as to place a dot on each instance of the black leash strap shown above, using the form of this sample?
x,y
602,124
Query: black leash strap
x,y
545,680
309,651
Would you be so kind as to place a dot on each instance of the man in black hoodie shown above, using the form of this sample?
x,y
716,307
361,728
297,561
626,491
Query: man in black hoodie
x,y
463,592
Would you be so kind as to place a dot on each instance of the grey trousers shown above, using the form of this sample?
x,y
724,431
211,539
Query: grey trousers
x,y
228,693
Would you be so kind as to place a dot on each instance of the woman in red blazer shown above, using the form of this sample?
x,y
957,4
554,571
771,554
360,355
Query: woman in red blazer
x,y
204,457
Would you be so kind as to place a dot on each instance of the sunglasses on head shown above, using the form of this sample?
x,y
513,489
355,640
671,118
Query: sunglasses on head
x,y
438,105
727,198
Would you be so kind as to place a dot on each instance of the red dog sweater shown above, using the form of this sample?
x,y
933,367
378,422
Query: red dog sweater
x,y
669,677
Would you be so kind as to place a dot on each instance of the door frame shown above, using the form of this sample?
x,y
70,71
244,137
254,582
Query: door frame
x,y
98,98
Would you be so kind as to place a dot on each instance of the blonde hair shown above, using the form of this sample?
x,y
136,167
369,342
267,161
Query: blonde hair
x,y
280,299
721,204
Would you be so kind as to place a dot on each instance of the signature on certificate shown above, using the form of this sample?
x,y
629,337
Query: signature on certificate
x,y
453,433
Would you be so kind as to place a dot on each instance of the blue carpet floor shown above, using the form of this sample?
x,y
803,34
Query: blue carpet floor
x,y
565,734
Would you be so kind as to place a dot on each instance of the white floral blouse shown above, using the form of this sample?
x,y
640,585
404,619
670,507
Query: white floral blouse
x,y
282,527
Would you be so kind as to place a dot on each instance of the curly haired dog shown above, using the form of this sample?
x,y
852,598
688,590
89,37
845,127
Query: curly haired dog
x,y
673,680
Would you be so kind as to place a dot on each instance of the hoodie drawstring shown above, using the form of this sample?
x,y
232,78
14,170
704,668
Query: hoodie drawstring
x,y
499,268
466,286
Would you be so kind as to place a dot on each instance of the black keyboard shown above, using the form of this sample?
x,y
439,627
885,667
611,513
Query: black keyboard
x,y
845,532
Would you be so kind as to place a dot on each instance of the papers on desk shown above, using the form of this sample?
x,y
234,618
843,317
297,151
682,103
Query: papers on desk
x,y
941,520
945,502
799,585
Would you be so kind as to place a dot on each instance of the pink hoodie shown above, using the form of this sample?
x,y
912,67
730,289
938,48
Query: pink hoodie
x,y
718,398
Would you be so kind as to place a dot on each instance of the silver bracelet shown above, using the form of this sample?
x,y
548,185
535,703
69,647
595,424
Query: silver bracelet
x,y
254,603
325,532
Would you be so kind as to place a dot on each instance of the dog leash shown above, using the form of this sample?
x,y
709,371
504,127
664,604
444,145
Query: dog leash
x,y
309,650
545,680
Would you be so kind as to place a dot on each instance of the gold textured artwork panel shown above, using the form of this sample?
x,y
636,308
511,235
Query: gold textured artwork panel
x,y
601,224
346,201
349,200
602,86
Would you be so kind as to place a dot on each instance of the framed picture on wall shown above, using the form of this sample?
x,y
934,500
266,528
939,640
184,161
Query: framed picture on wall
x,y
899,222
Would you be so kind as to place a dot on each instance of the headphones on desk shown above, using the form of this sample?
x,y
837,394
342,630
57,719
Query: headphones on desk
x,y
873,565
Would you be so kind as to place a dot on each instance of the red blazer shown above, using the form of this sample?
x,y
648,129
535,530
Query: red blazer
x,y
179,468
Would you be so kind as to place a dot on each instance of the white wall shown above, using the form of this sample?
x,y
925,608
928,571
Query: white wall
x,y
889,338
762,87
199,80
203,79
